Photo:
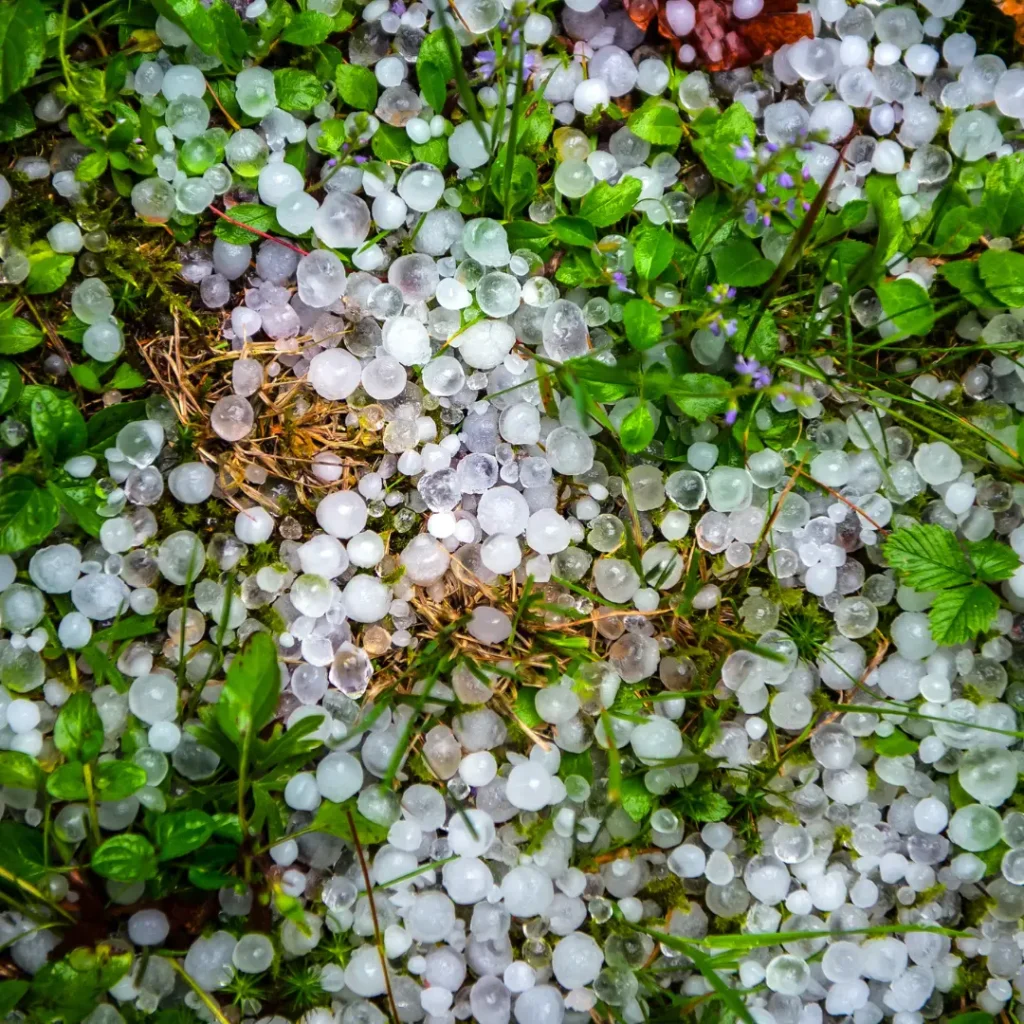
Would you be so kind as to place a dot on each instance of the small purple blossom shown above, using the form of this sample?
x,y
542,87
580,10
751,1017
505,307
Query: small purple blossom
x,y
750,214
761,188
744,151
730,327
485,62
771,147
730,416
785,180
621,283
531,63
360,159
721,293
760,376
398,8
806,174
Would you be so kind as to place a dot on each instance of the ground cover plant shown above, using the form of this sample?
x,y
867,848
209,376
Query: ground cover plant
x,y
511,512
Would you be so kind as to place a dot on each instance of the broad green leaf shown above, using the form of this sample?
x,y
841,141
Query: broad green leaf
x,y
126,377
58,427
391,144
92,166
78,731
254,215
69,989
637,430
125,858
741,264
250,693
104,425
333,819
573,231
977,1017
308,28
642,323
434,50
606,204
907,306
716,145
928,557
183,832
357,86
433,84
85,516
960,228
16,118
297,90
525,707
11,993
28,514
992,561
1004,195
67,782
653,249
884,196
22,44
21,852
433,152
523,183
897,744
118,780
1002,272
700,395
49,270
764,345
536,127
18,335
958,615
965,277
657,121
637,800
711,221
18,770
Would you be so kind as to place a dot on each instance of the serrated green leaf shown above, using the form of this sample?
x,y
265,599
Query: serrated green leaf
x,y
965,277
92,166
433,152
958,615
22,44
907,306
433,84
254,215
653,249
897,744
718,141
391,144
357,86
1002,272
78,732
1003,197
992,560
637,801
657,121
606,204
960,228
308,28
18,335
928,557
16,118
253,685
49,270
700,395
28,514
740,264
642,324
434,50
573,231
297,90
637,430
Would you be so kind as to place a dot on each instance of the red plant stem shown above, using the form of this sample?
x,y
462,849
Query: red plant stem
x,y
256,231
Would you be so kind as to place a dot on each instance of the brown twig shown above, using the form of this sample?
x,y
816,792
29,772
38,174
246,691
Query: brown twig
x,y
378,938
262,234
216,99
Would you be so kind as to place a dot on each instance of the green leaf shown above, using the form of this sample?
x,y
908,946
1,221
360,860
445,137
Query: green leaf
x,y
844,257
637,801
11,993
86,517
884,196
740,264
126,377
976,1017
657,121
58,427
125,858
1003,274
965,277
536,127
574,231
10,384
21,851
1004,195
78,731
907,306
898,744
333,819
719,136
433,152
18,335
700,395
183,832
297,90
637,430
711,221
104,425
434,50
49,270
27,514
69,989
524,179
958,615
253,685
764,344
992,561
433,84
928,556
391,144
525,707
91,166
262,218
606,204
960,228
642,324
702,803
67,782
22,44
576,764
308,28
357,86
118,780
16,119
18,770
653,249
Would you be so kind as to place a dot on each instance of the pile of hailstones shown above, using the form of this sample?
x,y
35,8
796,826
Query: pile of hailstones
x,y
503,929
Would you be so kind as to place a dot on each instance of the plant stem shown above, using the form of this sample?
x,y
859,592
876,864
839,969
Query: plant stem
x,y
263,234
90,789
9,876
207,1000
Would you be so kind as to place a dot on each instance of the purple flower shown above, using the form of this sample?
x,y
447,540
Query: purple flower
x,y
621,283
730,328
360,159
721,293
398,8
771,147
760,376
785,180
531,62
750,212
746,366
730,416
806,174
761,188
485,62
744,151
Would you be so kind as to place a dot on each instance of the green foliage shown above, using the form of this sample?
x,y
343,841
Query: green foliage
x,y
606,204
657,121
637,800
22,44
357,86
653,249
28,514
18,770
254,215
1002,272
930,558
896,744
334,818
907,306
125,858
717,136
642,323
78,731
250,693
182,833
17,335
740,264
